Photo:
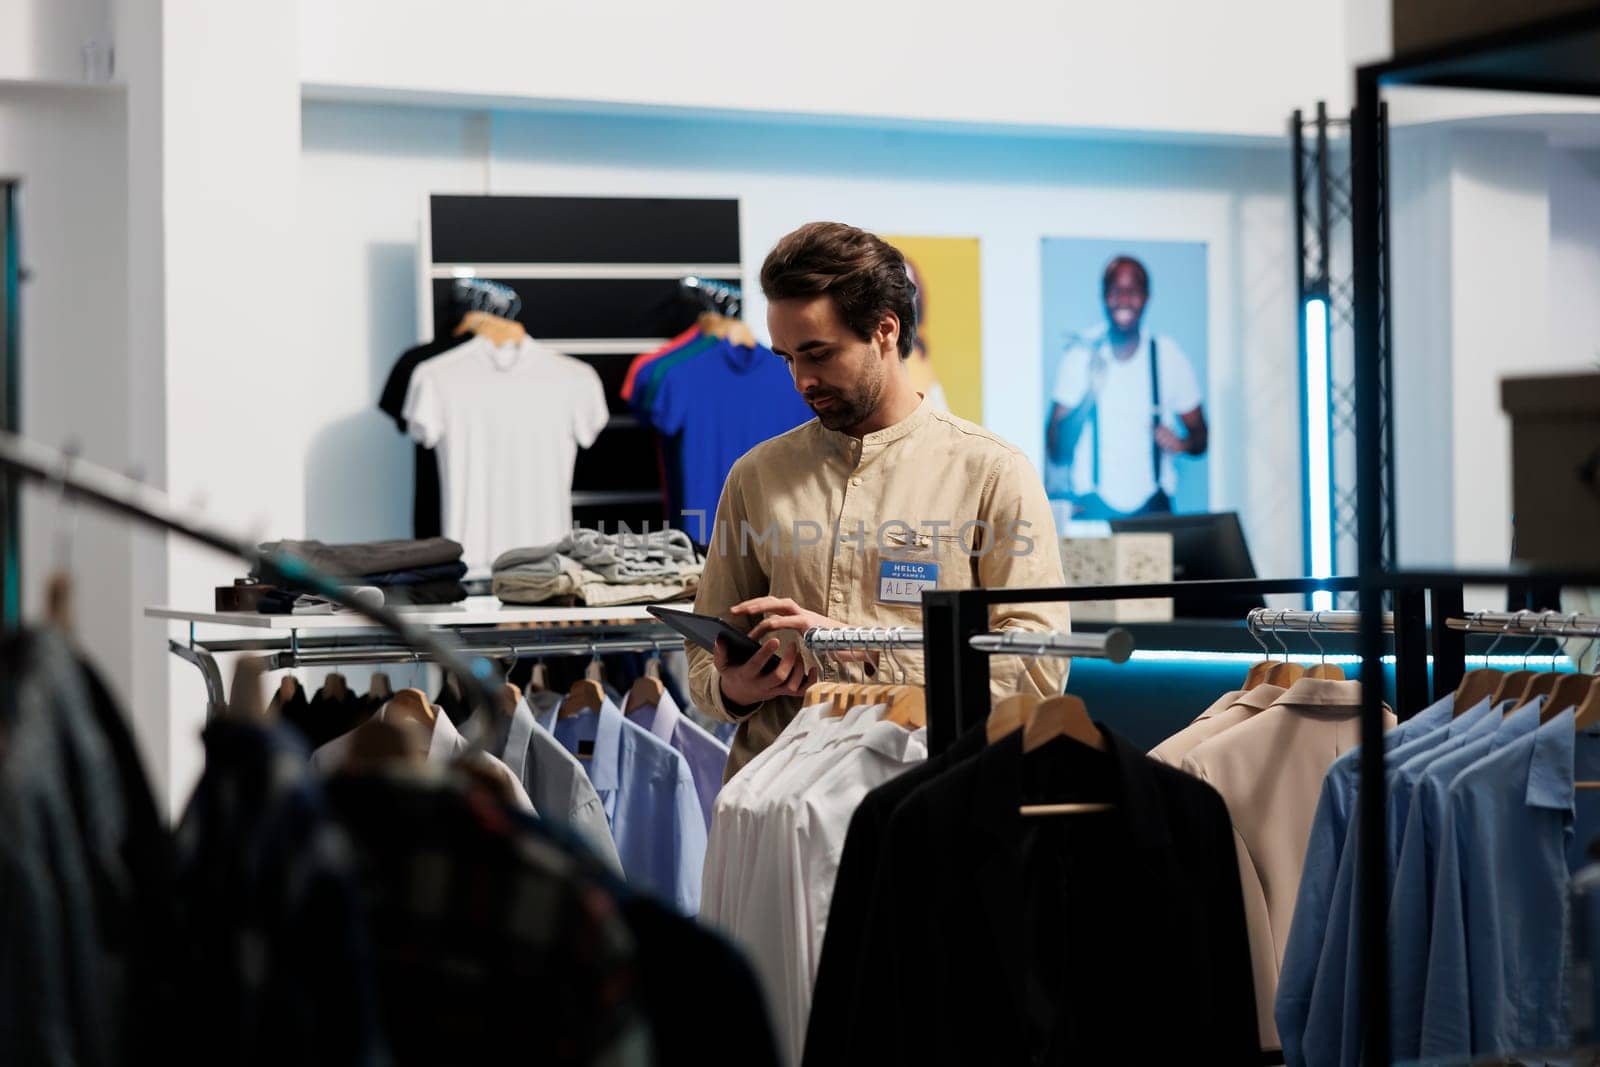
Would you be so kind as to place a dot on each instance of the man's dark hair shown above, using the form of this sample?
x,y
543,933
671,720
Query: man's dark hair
x,y
864,274
1116,265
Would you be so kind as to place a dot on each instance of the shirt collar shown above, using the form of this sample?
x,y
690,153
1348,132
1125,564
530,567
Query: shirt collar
x,y
603,768
1259,698
1525,720
1323,696
1550,766
1469,718
602,764
1222,704
519,735
888,435
446,740
1436,714
664,723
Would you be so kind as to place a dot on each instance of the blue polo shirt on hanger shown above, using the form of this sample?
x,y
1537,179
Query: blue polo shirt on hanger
x,y
648,793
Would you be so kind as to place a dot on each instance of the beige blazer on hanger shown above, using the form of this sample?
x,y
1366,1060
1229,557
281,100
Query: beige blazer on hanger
x,y
1230,710
1269,771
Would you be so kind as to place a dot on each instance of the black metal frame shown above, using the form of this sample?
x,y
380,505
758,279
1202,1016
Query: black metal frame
x,y
958,675
957,679
1559,55
1323,202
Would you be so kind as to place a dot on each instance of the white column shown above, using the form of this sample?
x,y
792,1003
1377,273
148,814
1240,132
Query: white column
x,y
214,135
1500,269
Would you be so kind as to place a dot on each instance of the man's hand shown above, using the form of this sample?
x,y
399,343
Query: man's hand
x,y
782,614
745,685
1170,442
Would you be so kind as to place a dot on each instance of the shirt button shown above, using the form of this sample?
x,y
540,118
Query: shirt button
x,y
838,595
855,481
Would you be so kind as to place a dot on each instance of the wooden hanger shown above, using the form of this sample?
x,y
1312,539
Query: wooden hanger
x,y
1009,716
726,329
379,688
1061,716
1569,692
245,699
1284,674
380,745
58,601
1477,685
506,699
585,695
411,705
645,693
539,679
1329,671
492,328
908,706
334,687
1511,684
1540,685
1588,713
1258,673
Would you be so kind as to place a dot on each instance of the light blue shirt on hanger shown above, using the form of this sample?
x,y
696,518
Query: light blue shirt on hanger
x,y
707,757
1319,876
1411,895
1513,831
649,797
1332,1033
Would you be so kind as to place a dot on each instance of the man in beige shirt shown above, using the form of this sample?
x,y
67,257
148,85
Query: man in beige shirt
x,y
845,520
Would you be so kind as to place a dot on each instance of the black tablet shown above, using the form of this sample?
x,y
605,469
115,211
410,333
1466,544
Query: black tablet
x,y
704,630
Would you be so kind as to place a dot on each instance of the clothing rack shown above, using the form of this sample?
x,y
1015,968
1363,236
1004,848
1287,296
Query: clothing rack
x,y
76,479
553,635
1528,624
471,645
1268,620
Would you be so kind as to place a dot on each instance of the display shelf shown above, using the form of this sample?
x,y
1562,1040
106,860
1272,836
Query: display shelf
x,y
474,611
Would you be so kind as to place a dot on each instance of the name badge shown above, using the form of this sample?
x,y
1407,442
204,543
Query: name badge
x,y
902,581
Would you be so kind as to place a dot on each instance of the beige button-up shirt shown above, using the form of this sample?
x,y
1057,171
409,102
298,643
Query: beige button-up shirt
x,y
816,515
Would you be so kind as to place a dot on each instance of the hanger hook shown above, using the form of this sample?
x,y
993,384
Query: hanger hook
x,y
1311,632
1252,623
1477,619
1276,636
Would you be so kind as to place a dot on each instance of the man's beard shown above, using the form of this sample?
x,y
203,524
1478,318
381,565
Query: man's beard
x,y
849,409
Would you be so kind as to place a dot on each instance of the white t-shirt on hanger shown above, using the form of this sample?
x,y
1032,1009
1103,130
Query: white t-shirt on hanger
x,y
507,422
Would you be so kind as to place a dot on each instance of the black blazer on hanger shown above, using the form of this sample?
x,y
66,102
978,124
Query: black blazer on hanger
x,y
1089,938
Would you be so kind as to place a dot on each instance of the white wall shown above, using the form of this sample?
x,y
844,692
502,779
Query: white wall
x,y
366,170
45,40
1154,65
68,147
1496,266
1575,257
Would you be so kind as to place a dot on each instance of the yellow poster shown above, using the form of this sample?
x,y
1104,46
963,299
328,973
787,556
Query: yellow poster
x,y
948,360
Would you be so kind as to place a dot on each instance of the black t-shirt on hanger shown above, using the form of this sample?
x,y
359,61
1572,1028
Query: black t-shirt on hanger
x,y
427,510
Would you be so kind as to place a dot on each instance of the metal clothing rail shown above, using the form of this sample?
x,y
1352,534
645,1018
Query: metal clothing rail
x,y
125,496
1268,620
1115,644
1528,624
374,655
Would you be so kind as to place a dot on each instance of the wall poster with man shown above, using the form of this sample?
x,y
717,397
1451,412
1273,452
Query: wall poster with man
x,y
1125,352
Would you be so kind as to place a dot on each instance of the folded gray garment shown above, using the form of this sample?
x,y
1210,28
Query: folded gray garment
x,y
370,557
623,558
518,586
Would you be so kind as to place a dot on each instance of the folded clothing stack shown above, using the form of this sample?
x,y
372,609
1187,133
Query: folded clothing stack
x,y
601,570
428,571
